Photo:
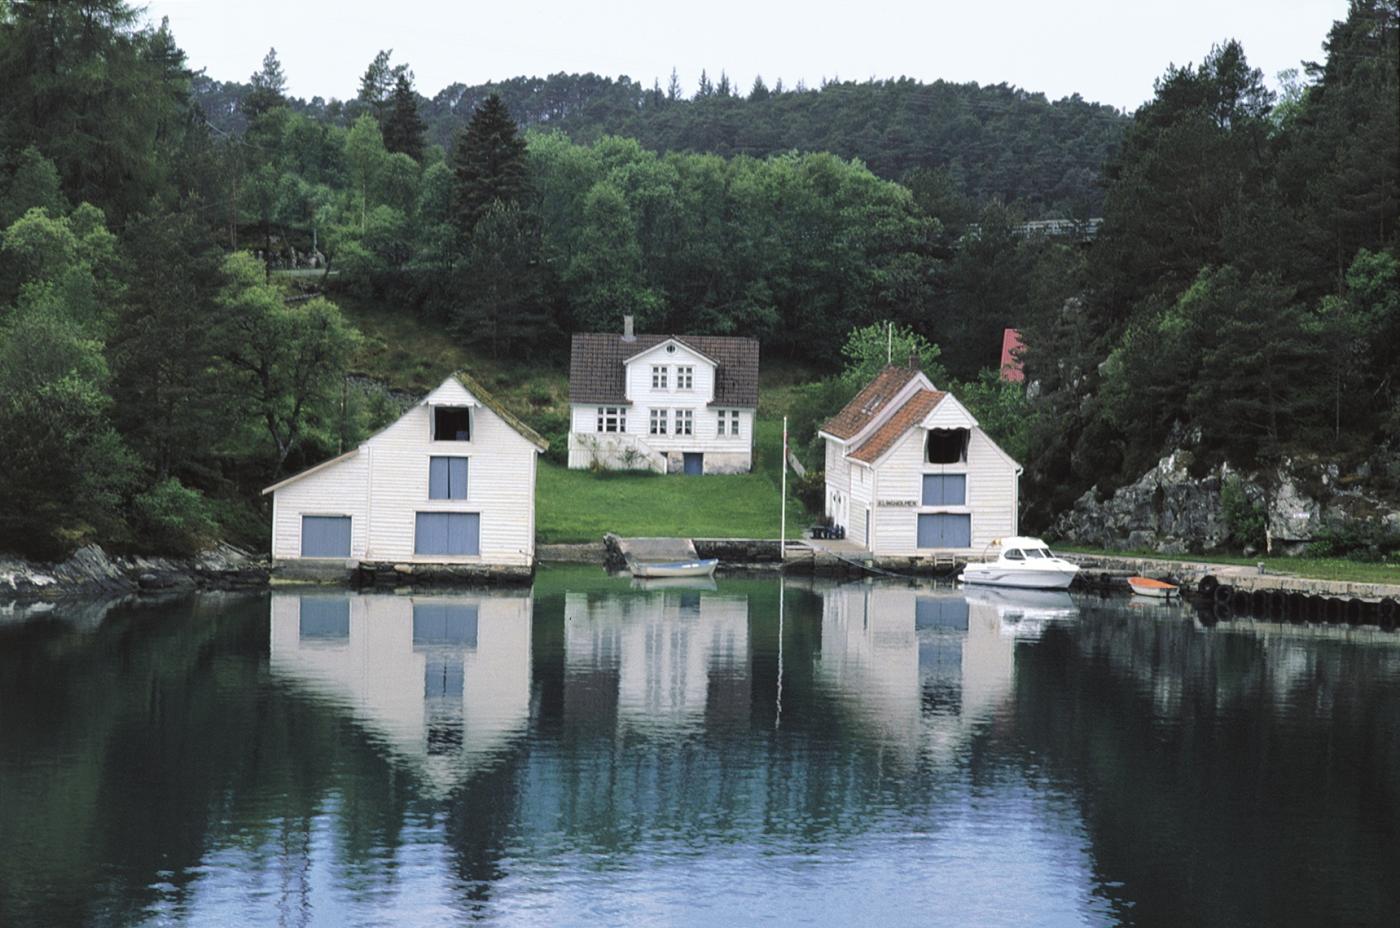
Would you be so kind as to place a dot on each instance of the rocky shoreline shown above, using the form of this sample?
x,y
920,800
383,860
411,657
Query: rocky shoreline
x,y
90,571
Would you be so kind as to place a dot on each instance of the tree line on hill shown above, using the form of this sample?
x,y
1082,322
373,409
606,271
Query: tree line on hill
x,y
1242,292
995,142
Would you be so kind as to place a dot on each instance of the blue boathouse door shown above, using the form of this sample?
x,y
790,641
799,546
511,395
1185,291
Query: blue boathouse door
x,y
694,463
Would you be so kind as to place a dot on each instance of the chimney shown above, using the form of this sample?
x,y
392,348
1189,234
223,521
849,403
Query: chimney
x,y
913,360
627,335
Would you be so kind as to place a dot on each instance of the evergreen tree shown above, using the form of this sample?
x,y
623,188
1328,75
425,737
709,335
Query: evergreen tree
x,y
377,84
724,88
759,91
673,87
269,87
489,161
502,283
706,88
403,127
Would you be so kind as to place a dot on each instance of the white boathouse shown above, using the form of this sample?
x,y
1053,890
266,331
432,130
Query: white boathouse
x,y
452,481
910,473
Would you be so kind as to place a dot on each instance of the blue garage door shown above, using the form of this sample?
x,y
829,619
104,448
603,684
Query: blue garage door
x,y
447,533
945,530
945,489
325,536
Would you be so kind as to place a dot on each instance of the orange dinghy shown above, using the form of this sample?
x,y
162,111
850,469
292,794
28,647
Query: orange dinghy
x,y
1146,586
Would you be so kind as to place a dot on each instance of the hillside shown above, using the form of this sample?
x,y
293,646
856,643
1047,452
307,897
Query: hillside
x,y
994,142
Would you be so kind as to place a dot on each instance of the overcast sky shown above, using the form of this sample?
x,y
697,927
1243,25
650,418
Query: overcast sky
x,y
1106,50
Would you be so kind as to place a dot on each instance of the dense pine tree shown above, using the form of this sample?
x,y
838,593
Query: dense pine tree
x,y
489,163
403,127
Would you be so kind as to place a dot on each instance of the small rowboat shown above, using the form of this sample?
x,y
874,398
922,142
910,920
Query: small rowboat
x,y
1146,586
703,568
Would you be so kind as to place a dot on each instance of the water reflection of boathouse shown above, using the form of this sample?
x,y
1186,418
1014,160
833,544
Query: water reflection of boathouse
x,y
444,680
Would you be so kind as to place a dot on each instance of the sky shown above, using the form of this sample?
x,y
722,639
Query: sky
x,y
1108,51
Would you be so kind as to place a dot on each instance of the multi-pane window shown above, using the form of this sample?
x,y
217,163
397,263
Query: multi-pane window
x,y
658,377
658,422
728,421
612,419
685,377
685,422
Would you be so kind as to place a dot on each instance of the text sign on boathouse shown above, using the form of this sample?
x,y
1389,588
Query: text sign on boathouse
x,y
900,503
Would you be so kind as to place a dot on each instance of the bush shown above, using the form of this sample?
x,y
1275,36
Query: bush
x,y
554,428
1245,519
1359,540
810,490
171,518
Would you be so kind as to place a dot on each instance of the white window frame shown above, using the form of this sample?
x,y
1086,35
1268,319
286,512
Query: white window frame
x,y
685,377
659,421
685,422
732,417
659,377
612,419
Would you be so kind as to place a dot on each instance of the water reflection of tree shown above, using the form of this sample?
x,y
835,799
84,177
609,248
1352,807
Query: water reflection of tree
x,y
1226,777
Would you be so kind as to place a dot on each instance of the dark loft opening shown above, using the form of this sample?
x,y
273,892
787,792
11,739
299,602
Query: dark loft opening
x,y
452,423
947,446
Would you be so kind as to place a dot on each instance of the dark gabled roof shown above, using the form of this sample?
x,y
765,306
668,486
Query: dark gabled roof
x,y
484,397
892,430
597,373
869,402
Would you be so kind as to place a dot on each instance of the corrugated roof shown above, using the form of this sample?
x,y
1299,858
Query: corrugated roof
x,y
597,373
869,402
906,417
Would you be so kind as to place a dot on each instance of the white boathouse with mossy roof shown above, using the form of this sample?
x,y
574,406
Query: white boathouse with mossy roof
x,y
910,473
452,482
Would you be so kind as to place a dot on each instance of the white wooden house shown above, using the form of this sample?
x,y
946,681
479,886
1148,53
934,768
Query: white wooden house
x,y
450,482
669,403
910,473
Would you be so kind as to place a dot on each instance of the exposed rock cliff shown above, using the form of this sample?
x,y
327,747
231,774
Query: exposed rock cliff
x,y
90,571
1173,510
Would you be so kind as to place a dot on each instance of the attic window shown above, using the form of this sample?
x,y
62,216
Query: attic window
x,y
947,446
873,403
452,423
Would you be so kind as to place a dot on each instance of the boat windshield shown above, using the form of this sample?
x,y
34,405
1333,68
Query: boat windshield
x,y
1014,554
1036,552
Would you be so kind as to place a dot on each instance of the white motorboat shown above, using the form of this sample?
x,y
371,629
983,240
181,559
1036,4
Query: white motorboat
x,y
654,569
1025,563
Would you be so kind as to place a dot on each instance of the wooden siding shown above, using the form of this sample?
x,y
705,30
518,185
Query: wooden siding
x,y
385,485
991,494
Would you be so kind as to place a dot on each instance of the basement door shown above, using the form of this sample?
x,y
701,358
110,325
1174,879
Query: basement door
x,y
325,536
694,463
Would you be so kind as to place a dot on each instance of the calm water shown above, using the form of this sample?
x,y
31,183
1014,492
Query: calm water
x,y
595,754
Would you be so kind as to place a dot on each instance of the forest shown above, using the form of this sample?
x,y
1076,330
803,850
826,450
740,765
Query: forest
x,y
174,249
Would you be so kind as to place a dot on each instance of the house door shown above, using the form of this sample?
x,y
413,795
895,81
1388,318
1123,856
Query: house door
x,y
694,463
325,536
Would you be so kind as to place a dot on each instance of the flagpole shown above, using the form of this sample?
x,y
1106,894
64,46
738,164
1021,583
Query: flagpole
x,y
782,532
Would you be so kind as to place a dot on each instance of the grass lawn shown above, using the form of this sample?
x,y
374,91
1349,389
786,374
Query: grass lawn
x,y
580,505
1317,568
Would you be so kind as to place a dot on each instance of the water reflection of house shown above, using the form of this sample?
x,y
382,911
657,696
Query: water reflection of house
x,y
659,660
918,668
444,680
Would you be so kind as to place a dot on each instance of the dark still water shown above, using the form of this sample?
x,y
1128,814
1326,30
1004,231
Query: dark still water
x,y
594,754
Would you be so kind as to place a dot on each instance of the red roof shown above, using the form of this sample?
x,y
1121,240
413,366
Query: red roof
x,y
1011,346
904,419
869,402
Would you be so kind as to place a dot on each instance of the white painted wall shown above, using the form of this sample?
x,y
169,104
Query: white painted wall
x,y
385,484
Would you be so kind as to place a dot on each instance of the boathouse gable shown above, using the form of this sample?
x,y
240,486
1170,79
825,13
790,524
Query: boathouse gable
x,y
918,477
450,481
